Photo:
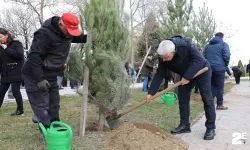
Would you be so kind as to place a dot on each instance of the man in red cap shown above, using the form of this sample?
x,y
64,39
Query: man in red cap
x,y
46,58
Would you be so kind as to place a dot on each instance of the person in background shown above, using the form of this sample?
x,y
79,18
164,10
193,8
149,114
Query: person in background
x,y
248,69
130,70
146,72
11,62
70,83
237,73
218,55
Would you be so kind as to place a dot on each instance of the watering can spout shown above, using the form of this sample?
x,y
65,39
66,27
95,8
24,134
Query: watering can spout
x,y
44,131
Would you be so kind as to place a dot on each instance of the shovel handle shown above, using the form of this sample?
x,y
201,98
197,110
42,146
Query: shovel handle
x,y
163,91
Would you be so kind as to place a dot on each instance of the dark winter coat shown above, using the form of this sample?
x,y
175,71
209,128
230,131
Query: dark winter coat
x,y
237,70
217,53
147,68
49,51
248,68
11,62
186,62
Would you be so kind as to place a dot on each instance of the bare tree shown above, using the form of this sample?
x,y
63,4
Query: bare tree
x,y
37,6
139,12
66,6
19,22
227,29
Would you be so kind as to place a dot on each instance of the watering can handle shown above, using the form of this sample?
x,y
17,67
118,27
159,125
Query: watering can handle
x,y
173,94
64,125
163,91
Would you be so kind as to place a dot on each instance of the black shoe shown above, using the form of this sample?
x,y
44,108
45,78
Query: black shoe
x,y
221,107
18,112
209,135
181,129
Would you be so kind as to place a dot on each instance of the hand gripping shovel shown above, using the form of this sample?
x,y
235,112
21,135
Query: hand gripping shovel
x,y
113,120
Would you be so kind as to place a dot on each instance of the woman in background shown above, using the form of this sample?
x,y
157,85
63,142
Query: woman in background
x,y
11,63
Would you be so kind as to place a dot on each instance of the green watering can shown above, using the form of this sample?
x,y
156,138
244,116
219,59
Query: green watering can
x,y
169,98
57,138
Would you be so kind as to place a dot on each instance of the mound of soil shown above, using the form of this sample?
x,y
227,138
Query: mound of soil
x,y
141,137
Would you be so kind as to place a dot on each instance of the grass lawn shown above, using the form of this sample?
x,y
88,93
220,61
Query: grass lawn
x,y
19,133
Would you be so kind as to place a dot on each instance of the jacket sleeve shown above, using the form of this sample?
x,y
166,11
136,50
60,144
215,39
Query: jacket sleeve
x,y
80,39
16,52
226,54
156,82
196,62
39,46
228,71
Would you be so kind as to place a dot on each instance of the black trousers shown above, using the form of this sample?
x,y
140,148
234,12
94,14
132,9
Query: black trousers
x,y
237,77
16,93
166,82
196,89
204,83
45,105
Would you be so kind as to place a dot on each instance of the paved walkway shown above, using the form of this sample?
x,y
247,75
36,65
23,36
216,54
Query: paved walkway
x,y
66,91
235,119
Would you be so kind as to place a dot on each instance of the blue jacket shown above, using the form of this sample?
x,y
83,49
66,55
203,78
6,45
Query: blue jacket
x,y
187,62
217,53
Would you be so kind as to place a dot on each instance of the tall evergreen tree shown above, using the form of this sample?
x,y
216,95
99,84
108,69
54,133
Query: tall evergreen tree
x,y
150,36
105,55
204,26
176,18
242,68
74,69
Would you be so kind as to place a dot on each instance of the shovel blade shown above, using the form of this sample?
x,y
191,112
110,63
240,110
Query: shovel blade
x,y
113,121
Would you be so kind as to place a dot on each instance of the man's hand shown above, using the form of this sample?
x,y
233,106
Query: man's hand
x,y
149,98
43,85
4,46
184,81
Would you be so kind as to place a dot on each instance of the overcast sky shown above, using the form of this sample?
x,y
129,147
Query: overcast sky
x,y
234,15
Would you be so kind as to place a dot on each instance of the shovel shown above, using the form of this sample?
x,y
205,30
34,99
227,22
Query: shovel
x,y
113,120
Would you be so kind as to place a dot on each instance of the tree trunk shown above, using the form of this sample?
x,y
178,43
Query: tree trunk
x,y
102,118
26,40
84,101
41,11
132,35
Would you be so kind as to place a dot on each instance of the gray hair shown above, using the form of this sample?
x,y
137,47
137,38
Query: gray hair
x,y
166,47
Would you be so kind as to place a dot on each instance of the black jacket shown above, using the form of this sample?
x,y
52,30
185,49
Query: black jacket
x,y
236,70
147,68
186,62
11,62
248,68
49,51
